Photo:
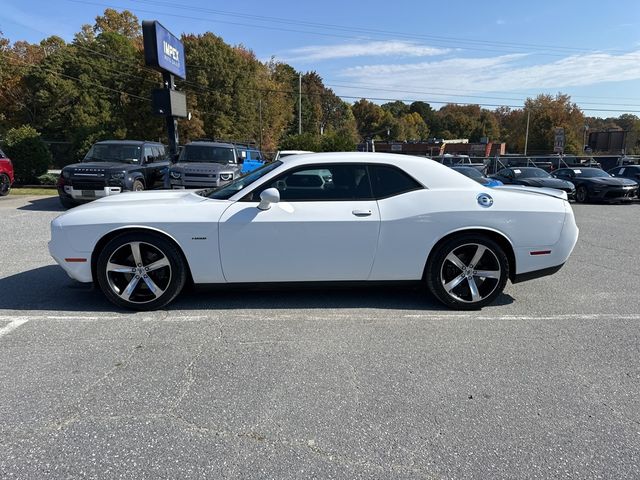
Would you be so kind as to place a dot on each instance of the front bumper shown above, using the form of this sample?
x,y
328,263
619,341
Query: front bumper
x,y
613,194
77,264
89,194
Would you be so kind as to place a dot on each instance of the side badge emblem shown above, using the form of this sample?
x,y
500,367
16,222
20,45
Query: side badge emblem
x,y
485,200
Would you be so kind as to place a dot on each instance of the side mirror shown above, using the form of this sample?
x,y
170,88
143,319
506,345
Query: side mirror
x,y
267,197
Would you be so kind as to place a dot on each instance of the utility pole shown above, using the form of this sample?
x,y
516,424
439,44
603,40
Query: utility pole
x,y
260,114
526,135
299,103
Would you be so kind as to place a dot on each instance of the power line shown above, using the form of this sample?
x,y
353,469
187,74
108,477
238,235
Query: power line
x,y
355,28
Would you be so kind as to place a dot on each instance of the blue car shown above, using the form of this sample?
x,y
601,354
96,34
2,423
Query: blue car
x,y
476,175
251,159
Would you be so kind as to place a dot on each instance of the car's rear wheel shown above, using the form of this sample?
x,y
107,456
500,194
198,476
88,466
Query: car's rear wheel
x,y
467,272
141,271
581,194
5,184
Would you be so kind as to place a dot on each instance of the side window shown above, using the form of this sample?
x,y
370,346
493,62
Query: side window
x,y
158,153
322,183
148,154
389,181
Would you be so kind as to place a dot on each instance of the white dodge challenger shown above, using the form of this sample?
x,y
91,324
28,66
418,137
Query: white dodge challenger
x,y
334,217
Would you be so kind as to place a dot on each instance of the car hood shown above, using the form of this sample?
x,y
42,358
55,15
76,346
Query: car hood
x,y
611,182
95,168
138,208
547,182
203,167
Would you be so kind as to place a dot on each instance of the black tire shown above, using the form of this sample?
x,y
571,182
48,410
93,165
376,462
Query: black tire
x,y
582,195
454,285
67,202
137,186
134,289
5,184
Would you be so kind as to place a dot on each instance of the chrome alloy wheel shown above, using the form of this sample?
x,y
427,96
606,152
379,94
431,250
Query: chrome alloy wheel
x,y
138,272
470,273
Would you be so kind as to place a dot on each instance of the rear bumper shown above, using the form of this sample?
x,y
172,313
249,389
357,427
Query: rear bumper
x,y
523,277
542,260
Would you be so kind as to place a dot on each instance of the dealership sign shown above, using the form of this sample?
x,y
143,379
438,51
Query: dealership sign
x,y
162,50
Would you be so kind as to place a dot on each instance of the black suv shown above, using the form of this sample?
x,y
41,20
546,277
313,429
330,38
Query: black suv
x,y
111,167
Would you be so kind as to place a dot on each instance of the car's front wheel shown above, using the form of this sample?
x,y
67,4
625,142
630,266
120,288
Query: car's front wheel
x,y
467,272
5,184
581,194
141,271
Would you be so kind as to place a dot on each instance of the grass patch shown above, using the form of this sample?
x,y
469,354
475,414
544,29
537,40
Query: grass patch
x,y
33,191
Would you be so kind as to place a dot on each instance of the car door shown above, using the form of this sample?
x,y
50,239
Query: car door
x,y
325,228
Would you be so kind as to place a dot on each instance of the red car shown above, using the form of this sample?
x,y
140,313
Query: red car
x,y
6,174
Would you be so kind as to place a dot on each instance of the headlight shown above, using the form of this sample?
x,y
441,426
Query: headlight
x,y
66,174
117,175
226,176
175,175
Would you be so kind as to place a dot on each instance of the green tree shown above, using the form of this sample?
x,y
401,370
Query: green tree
x,y
337,142
29,154
397,109
305,141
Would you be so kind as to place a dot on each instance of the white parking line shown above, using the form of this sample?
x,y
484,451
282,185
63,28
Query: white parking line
x,y
15,323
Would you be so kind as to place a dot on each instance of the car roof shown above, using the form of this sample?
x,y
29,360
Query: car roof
x,y
210,144
429,172
127,142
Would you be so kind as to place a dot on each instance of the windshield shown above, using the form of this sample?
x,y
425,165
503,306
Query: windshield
x,y
530,173
234,187
122,153
590,173
207,153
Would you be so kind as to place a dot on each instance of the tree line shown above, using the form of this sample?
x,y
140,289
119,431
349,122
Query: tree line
x,y
97,87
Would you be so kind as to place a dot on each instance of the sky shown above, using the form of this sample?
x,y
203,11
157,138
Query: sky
x,y
492,53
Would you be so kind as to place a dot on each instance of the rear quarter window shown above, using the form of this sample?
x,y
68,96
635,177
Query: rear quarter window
x,y
388,181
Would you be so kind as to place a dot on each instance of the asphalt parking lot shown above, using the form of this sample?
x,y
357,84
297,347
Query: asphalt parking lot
x,y
379,383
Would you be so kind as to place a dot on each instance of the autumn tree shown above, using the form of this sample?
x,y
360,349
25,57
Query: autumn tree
x,y
547,113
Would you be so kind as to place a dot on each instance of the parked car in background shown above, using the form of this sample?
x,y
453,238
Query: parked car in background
x,y
533,177
287,153
631,172
380,218
111,167
595,184
451,160
476,175
205,164
251,158
6,174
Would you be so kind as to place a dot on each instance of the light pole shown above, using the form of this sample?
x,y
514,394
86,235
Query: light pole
x,y
526,135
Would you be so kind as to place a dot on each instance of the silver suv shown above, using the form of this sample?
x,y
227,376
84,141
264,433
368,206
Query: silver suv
x,y
205,164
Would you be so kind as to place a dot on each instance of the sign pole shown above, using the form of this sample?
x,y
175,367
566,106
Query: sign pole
x,y
172,122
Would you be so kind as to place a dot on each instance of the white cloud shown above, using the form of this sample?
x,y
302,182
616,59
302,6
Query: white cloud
x,y
498,74
500,22
368,49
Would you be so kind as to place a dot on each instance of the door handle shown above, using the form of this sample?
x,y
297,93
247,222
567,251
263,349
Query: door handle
x,y
361,213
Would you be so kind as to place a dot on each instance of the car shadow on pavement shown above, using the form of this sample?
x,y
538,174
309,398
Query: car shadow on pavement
x,y
49,289
44,204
